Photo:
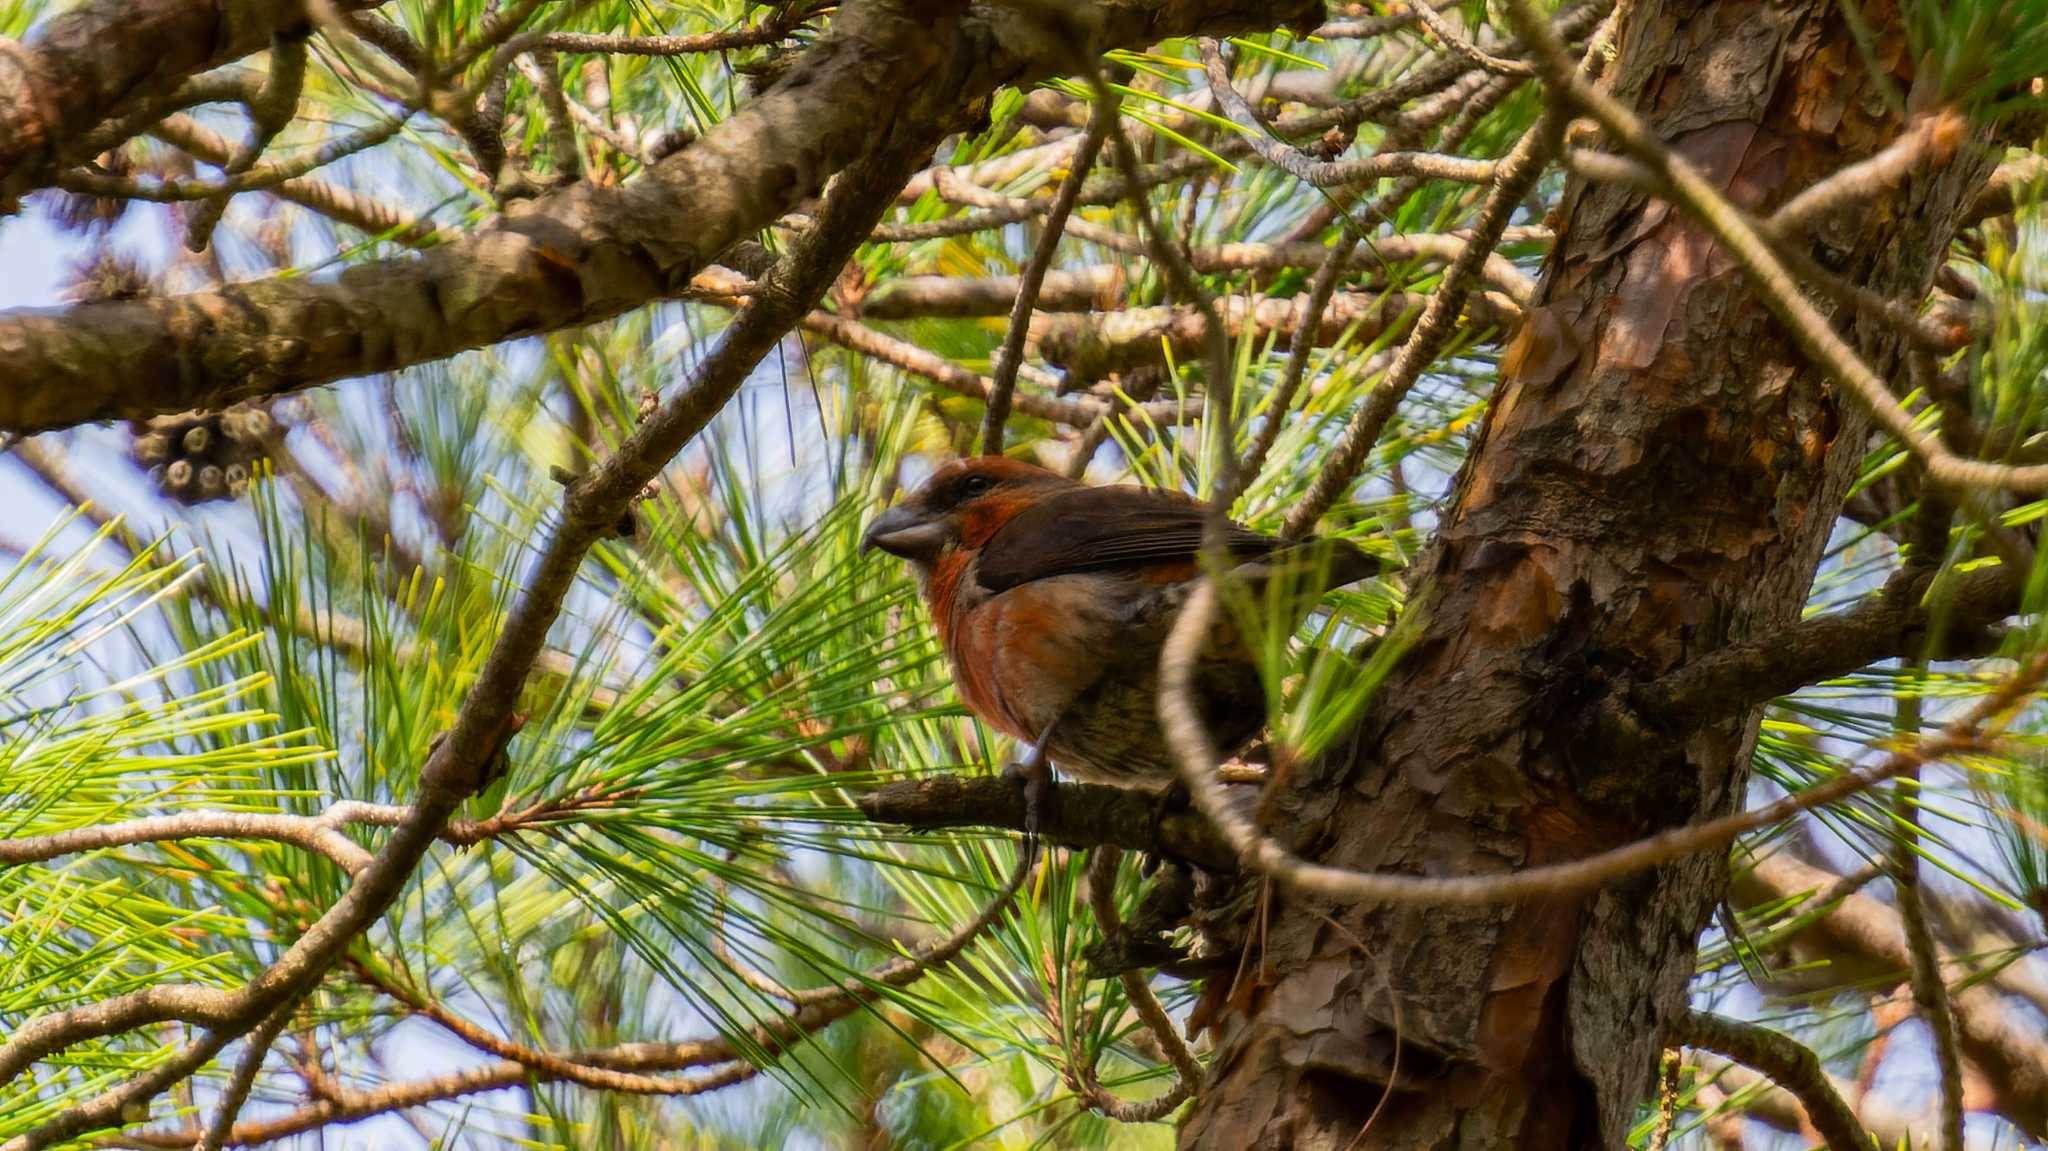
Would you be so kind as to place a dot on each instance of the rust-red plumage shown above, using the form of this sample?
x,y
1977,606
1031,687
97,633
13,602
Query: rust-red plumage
x,y
1052,600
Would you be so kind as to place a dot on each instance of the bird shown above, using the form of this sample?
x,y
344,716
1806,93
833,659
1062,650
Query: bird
x,y
1052,599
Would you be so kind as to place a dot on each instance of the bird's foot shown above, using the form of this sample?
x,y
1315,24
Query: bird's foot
x,y
1174,798
1033,776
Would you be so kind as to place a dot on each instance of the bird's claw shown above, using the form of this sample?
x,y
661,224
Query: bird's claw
x,y
1174,798
1033,776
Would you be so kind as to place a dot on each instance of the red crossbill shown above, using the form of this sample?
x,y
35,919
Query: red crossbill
x,y
1053,598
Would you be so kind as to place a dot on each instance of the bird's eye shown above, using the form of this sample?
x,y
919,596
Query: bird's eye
x,y
974,485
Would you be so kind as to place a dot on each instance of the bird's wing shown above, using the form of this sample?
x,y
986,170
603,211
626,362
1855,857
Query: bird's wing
x,y
1094,529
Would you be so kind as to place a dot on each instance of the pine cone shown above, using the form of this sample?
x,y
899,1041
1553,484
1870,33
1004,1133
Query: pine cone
x,y
196,457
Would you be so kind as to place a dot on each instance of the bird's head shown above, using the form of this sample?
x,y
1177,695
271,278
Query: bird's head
x,y
961,505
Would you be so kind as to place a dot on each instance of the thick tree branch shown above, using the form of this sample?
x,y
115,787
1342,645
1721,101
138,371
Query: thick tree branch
x,y
1894,622
105,57
2010,1052
1789,1063
571,258
1085,815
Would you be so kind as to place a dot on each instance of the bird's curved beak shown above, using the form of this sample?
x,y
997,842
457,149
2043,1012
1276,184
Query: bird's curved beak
x,y
903,531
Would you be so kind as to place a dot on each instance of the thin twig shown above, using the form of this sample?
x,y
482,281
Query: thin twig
x,y
256,1046
270,110
310,833
1516,175
1074,412
1375,26
1011,355
770,31
1930,992
261,176
1927,140
1328,173
1459,45
544,68
331,200
1195,752
616,1067
1102,869
1281,400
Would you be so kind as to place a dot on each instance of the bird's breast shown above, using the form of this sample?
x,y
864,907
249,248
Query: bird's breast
x,y
1021,656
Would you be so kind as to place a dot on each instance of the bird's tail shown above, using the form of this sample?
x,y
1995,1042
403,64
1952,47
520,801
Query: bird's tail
x,y
1314,566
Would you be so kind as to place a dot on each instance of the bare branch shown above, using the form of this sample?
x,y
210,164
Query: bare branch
x,y
620,1067
2010,186
1907,617
99,60
1011,354
780,23
257,1046
544,68
1789,1063
573,257
906,297
2011,1052
1376,26
1927,140
1102,869
331,200
253,179
1517,174
1087,288
1771,1104
1458,44
1930,992
1167,254
312,834
1093,346
1281,402
1322,173
270,109
1196,754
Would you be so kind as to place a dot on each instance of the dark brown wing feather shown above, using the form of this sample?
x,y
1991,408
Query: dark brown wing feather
x,y
1095,529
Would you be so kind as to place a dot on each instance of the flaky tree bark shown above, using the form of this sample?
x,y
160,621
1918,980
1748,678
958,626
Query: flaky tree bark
x,y
1655,481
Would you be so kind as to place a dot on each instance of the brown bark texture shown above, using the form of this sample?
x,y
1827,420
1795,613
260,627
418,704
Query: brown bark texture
x,y
1656,480
581,254
107,56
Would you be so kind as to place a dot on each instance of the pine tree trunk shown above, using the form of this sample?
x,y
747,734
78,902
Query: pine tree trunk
x,y
1657,478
